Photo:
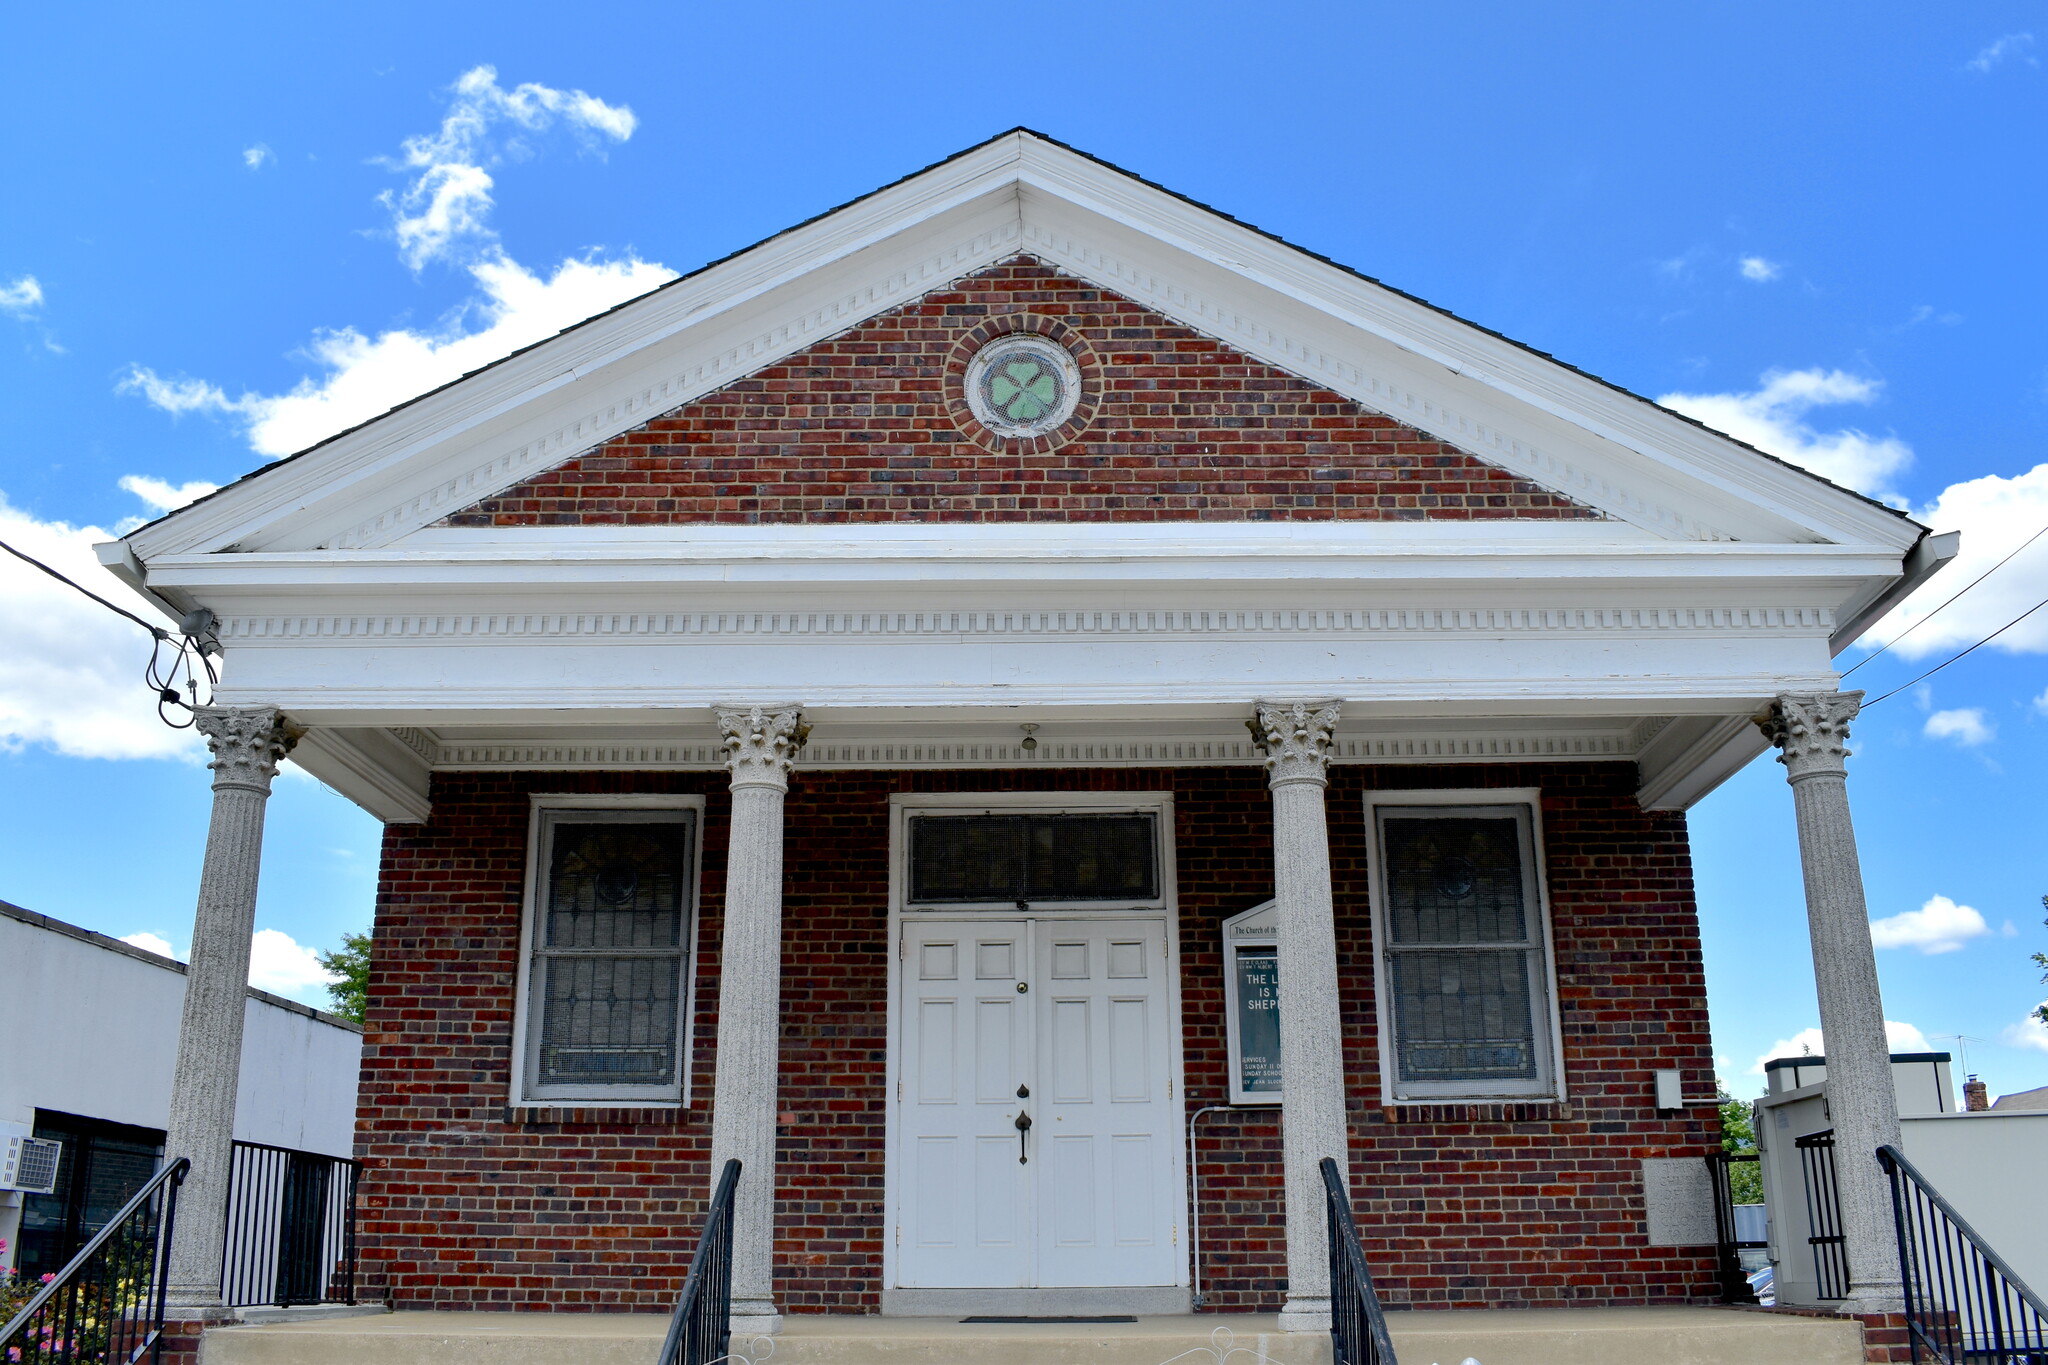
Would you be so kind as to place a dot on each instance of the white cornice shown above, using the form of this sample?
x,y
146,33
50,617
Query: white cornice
x,y
1447,377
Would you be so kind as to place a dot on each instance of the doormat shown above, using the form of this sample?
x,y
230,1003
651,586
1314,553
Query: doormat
x,y
1115,1317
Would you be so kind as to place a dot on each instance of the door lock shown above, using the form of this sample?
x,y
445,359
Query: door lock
x,y
1023,987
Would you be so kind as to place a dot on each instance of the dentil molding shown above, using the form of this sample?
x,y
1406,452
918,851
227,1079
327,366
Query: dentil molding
x,y
1036,625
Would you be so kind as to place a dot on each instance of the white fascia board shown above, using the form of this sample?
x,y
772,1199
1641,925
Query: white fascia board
x,y
607,575
1687,450
370,767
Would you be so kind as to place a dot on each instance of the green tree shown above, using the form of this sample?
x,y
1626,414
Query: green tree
x,y
1745,1178
2041,961
351,962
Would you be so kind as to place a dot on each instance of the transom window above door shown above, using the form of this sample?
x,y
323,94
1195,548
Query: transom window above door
x,y
1034,858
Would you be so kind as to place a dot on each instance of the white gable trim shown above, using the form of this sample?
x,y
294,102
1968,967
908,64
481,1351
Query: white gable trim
x,y
1450,379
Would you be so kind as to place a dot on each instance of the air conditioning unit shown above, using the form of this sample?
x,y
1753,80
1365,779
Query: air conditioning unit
x,y
29,1164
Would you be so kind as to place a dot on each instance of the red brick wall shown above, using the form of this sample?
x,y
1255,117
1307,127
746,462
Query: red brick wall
x,y
860,429
470,1206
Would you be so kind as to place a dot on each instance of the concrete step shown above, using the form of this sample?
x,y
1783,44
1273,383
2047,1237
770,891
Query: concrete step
x,y
1570,1336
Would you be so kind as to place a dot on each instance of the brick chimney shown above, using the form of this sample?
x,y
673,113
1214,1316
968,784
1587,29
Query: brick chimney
x,y
1974,1095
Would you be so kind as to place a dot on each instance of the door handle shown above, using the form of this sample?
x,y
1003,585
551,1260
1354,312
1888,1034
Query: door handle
x,y
1023,1127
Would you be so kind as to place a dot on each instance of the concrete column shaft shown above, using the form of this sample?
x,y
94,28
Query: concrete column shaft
x,y
1811,731
761,745
749,1021
1297,738
247,745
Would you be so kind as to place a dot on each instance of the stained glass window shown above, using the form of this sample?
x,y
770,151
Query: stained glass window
x,y
1034,859
1023,385
1462,946
610,954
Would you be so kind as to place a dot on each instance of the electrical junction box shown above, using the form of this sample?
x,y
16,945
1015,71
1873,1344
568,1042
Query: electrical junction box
x,y
29,1164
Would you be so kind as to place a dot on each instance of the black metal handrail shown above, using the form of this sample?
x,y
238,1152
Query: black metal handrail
x,y
1963,1302
291,1230
701,1329
1824,1214
107,1304
1735,1286
1358,1329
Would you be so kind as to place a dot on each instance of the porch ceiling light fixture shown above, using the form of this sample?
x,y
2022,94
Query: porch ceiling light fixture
x,y
1030,737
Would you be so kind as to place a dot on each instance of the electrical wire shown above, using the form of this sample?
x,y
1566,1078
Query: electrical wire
x,y
175,679
1971,650
1937,611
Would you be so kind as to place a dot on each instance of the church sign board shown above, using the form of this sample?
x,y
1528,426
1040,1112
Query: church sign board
x,y
1251,998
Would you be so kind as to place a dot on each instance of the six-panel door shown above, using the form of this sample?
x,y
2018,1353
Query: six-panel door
x,y
1074,1014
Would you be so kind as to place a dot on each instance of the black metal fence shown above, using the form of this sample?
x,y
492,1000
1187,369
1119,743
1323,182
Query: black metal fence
x,y
1963,1303
291,1235
1358,1329
1824,1214
701,1330
1729,1245
106,1306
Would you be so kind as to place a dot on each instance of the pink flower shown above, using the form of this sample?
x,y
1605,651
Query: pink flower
x,y
49,1277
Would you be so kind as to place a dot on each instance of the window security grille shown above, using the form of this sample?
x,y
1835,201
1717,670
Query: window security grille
x,y
1463,951
609,960
1033,859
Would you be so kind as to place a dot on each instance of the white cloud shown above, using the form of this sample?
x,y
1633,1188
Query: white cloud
x,y
22,297
364,376
255,157
1759,270
2029,1032
1996,515
2011,47
178,396
1808,1043
444,207
1939,926
1772,418
150,943
2041,703
163,496
1967,727
71,677
442,213
282,965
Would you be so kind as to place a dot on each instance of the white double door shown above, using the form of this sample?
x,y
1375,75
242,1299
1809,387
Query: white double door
x,y
1065,1023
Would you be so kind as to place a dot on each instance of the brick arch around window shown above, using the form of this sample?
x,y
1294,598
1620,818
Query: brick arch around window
x,y
866,428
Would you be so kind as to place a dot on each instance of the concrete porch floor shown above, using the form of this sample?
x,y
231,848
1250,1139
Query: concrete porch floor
x,y
1567,1336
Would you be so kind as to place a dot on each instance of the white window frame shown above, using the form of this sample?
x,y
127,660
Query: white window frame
x,y
548,810
1549,1084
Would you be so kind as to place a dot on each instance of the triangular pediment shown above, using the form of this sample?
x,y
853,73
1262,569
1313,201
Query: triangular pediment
x,y
873,427
1540,424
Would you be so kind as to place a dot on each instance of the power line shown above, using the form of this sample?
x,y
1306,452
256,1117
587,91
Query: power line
x,y
157,631
1937,611
192,641
1971,650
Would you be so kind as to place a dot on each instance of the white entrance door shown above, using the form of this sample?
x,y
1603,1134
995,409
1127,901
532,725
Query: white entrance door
x,y
1064,1022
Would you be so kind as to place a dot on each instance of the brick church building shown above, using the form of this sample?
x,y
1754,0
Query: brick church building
x,y
1031,712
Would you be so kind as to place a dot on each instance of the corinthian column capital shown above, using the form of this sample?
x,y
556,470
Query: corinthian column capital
x,y
248,743
1296,737
1810,730
761,743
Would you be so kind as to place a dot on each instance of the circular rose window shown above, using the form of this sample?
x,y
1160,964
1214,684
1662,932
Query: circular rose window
x,y
1023,385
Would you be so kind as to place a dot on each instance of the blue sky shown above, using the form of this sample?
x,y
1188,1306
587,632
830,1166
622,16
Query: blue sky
x,y
1819,227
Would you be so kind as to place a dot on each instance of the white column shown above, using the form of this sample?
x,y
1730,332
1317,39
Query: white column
x,y
1296,737
761,743
247,744
1811,730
